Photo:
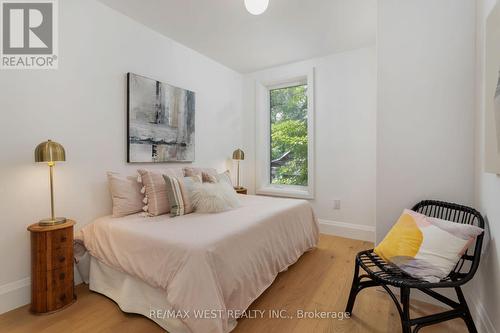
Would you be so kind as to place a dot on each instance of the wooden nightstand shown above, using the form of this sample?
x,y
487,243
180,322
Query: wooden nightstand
x,y
52,285
241,190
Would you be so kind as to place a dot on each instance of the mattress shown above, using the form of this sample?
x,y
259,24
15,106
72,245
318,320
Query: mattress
x,y
210,266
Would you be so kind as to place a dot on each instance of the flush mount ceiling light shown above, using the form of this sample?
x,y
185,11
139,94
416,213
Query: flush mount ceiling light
x,y
256,7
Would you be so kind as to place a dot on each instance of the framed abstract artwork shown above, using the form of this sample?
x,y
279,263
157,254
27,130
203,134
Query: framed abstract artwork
x,y
492,93
160,121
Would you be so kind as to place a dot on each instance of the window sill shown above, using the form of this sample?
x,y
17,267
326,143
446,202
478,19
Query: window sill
x,y
286,191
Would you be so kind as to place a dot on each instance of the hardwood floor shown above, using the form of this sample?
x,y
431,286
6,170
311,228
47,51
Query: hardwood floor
x,y
320,280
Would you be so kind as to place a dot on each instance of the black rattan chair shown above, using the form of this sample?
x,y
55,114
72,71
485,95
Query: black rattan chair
x,y
380,273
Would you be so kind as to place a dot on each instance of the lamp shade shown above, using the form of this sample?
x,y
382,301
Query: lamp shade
x,y
238,154
49,151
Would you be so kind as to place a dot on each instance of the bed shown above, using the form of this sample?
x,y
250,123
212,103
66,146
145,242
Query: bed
x,y
197,272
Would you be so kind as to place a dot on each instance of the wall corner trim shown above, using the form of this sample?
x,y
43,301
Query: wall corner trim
x,y
15,294
480,315
12,286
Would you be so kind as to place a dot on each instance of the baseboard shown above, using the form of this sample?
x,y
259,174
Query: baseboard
x,y
18,293
481,317
347,230
15,294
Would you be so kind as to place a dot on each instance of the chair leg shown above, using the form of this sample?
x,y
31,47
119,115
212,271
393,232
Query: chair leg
x,y
466,316
405,302
354,289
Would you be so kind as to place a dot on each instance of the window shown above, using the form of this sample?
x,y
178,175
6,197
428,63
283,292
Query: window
x,y
289,135
284,132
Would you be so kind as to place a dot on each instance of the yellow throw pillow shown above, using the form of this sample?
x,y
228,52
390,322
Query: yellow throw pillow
x,y
403,240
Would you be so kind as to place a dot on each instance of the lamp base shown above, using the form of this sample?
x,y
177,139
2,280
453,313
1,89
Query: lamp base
x,y
57,220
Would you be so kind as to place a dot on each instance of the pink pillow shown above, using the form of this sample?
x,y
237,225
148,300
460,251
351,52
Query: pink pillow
x,y
195,171
460,230
125,194
156,190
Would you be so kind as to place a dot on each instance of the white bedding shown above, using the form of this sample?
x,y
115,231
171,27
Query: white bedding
x,y
217,262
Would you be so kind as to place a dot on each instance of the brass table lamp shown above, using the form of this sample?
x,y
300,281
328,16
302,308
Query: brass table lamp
x,y
238,155
50,152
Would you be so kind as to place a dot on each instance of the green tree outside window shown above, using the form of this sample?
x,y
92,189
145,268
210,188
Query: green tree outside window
x,y
289,135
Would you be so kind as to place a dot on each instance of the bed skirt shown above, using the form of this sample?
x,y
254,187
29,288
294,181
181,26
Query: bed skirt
x,y
133,295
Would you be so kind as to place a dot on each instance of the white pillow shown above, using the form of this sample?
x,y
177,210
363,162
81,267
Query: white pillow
x,y
224,177
214,197
460,230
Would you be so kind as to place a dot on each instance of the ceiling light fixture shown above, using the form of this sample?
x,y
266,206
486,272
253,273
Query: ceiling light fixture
x,y
256,7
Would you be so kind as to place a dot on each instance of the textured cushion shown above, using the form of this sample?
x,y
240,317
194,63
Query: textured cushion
x,y
125,193
214,197
224,177
426,248
156,189
179,194
208,178
218,177
194,171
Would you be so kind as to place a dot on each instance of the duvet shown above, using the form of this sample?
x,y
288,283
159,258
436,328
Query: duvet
x,y
208,263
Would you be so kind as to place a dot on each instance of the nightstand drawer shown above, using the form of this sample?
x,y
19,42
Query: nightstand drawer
x,y
64,297
61,238
61,258
47,261
43,303
60,292
52,289
60,279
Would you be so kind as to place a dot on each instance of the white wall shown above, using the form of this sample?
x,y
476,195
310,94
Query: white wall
x,y
82,106
425,134
486,285
426,143
345,102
